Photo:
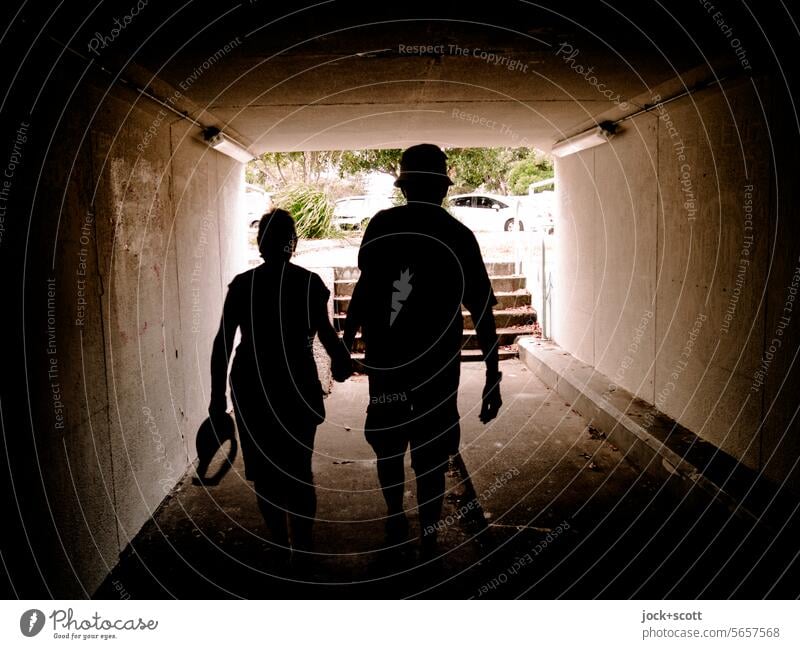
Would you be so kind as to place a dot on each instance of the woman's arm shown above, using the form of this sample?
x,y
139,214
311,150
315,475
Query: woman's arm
x,y
331,341
221,355
341,365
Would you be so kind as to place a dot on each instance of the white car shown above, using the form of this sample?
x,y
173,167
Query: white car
x,y
256,203
537,210
487,212
354,212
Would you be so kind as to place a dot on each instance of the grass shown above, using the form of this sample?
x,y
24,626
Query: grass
x,y
311,209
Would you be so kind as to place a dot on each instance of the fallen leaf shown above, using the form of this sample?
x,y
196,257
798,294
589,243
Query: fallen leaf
x,y
596,434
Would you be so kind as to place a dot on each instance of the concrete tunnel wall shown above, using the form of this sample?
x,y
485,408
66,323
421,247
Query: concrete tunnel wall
x,y
678,252
124,377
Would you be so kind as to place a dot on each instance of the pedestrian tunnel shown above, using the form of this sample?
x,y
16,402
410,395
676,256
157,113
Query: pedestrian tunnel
x,y
677,263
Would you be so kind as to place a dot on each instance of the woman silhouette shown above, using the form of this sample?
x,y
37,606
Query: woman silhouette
x,y
276,393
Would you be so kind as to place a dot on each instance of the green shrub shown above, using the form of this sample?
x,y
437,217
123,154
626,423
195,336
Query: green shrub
x,y
310,208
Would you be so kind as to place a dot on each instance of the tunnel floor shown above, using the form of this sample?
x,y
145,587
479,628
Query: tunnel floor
x,y
566,516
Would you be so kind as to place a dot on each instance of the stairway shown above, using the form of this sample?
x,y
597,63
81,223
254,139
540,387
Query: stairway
x,y
514,315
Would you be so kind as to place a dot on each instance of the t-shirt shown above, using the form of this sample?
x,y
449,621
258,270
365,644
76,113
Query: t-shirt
x,y
418,265
277,307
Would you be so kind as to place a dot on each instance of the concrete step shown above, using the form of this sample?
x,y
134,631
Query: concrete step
x,y
512,299
500,283
492,267
523,316
514,317
500,267
506,336
467,356
506,300
507,283
346,272
343,287
694,469
476,355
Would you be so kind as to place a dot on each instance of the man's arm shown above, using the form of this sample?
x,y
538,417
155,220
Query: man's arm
x,y
487,338
486,331
354,318
220,357
355,312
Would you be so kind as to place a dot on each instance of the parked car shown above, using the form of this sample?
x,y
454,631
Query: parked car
x,y
256,202
354,212
537,210
486,212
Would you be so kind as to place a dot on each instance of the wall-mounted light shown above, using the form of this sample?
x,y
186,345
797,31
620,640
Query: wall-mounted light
x,y
222,143
586,140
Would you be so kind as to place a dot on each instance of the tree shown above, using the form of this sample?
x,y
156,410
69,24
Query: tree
x,y
370,160
535,166
276,169
474,168
503,170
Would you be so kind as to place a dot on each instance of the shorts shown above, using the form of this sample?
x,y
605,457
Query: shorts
x,y
433,433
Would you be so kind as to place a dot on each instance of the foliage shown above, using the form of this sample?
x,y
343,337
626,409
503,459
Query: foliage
x,y
397,197
530,169
472,168
347,186
341,173
501,170
310,207
368,160
274,170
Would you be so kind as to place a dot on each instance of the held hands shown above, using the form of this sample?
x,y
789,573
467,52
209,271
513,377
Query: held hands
x,y
491,397
341,365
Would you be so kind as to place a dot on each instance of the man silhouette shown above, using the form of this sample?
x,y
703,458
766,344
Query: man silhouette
x,y
418,266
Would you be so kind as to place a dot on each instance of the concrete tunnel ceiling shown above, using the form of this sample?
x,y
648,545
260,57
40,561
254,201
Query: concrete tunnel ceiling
x,y
340,75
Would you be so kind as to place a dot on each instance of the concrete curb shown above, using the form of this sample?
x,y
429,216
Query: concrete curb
x,y
615,413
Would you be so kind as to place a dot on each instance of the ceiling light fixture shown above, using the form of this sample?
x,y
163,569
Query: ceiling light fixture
x,y
601,134
222,143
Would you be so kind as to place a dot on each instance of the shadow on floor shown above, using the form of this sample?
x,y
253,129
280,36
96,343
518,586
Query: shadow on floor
x,y
539,505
